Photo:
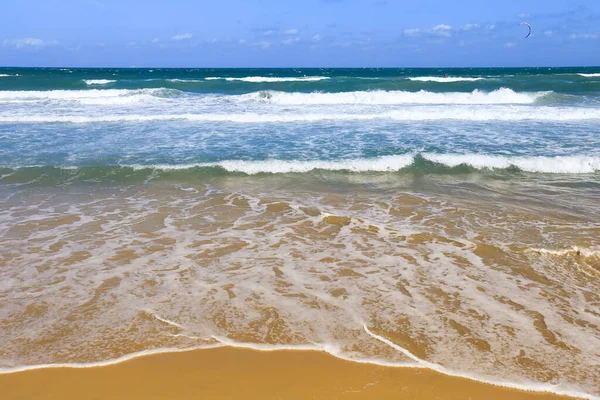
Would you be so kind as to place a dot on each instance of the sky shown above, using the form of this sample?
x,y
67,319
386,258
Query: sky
x,y
306,33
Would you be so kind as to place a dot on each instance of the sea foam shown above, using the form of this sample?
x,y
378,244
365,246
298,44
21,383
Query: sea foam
x,y
424,113
500,96
266,79
98,81
443,80
551,165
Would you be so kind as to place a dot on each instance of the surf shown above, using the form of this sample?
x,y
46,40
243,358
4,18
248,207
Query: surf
x,y
382,97
269,79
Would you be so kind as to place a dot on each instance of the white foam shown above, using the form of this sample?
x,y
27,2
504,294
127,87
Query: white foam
x,y
327,348
263,79
98,81
380,164
564,252
552,165
109,362
387,163
4,75
164,320
500,96
531,387
442,79
75,94
184,80
105,97
433,113
590,75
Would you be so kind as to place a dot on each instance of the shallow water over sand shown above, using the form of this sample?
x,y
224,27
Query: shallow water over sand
x,y
490,279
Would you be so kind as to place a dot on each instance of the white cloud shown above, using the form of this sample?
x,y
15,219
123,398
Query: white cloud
x,y
412,32
264,44
509,45
291,31
155,40
290,40
584,36
101,44
29,42
548,33
442,30
523,15
438,30
491,27
317,37
468,27
268,33
182,36
242,41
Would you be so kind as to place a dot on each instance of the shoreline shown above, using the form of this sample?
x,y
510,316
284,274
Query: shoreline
x,y
300,374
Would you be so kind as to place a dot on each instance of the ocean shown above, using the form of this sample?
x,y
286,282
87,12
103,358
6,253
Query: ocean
x,y
389,216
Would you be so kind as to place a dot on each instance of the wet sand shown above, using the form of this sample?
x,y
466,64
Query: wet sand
x,y
232,373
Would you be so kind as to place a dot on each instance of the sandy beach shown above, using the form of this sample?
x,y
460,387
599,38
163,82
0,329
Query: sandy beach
x,y
230,373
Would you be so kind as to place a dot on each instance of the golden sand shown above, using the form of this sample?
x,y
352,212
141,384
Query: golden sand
x,y
231,373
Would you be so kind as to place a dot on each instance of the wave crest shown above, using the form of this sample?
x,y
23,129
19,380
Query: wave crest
x,y
89,97
425,113
98,81
429,162
267,79
443,80
500,96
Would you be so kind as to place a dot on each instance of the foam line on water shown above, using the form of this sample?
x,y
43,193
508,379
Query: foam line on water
x,y
564,252
327,348
508,114
98,81
581,164
111,361
184,80
267,79
557,165
166,321
590,75
499,96
442,79
553,165
531,387
80,94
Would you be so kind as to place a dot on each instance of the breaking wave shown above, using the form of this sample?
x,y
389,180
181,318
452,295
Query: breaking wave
x,y
552,165
443,80
98,81
417,113
266,79
500,96
429,163
89,97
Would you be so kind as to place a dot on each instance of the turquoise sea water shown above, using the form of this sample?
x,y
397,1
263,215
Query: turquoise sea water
x,y
211,122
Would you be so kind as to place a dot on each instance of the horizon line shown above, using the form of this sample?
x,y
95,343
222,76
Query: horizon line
x,y
297,67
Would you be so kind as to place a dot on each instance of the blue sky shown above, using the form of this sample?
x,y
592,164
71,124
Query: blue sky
x,y
290,33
